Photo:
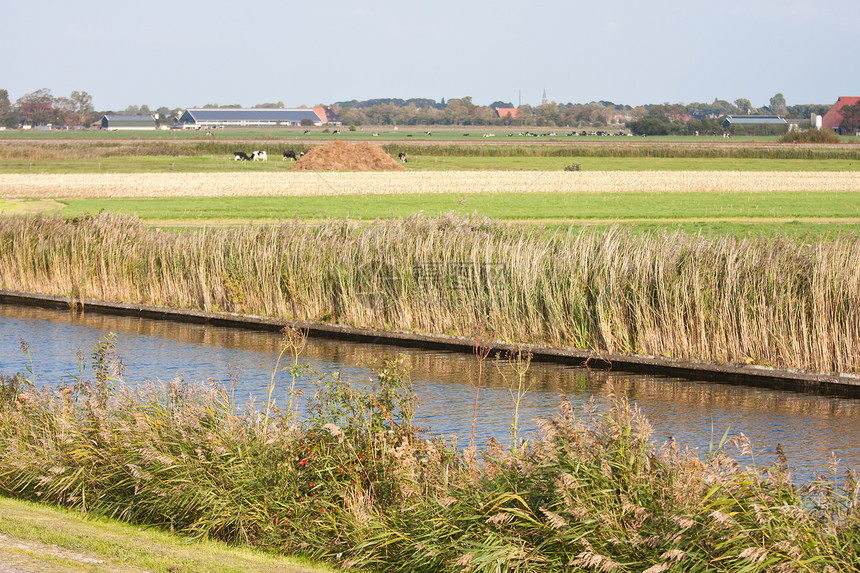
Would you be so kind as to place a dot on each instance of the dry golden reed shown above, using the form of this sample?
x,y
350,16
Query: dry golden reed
x,y
770,301
297,183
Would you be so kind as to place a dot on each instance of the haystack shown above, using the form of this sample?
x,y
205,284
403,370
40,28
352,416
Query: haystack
x,y
343,156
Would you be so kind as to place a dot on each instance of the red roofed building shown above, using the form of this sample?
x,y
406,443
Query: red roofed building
x,y
833,119
327,115
509,111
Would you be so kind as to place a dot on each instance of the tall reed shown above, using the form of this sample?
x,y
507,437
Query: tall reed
x,y
772,301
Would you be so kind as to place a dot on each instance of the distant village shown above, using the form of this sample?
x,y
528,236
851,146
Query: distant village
x,y
40,110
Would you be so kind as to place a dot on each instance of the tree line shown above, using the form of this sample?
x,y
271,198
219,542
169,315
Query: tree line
x,y
42,107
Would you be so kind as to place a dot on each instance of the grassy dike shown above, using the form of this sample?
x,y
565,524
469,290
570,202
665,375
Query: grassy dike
x,y
39,537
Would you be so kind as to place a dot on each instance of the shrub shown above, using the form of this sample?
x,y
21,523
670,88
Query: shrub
x,y
810,136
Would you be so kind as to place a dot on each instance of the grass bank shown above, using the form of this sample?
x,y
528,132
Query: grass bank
x,y
355,483
40,537
775,301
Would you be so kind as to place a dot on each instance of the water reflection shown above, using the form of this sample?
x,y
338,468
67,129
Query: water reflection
x,y
809,427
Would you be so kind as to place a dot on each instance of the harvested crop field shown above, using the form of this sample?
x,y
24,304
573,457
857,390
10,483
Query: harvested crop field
x,y
311,183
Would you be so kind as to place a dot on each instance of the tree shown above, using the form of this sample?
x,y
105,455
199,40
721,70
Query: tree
x,y
850,118
64,111
83,106
7,114
744,105
777,104
37,108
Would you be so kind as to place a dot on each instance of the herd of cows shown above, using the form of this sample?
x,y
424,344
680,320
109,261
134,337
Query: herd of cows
x,y
260,155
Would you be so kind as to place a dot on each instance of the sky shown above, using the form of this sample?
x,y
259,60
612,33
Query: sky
x,y
189,53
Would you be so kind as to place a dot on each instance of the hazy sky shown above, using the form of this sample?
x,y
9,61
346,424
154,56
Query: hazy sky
x,y
187,53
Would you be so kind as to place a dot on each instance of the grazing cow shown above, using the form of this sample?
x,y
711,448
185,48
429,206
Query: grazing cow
x,y
290,154
302,154
240,156
402,157
375,135
427,133
259,156
307,131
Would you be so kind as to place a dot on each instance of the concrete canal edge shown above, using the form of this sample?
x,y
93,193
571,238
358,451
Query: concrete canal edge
x,y
753,375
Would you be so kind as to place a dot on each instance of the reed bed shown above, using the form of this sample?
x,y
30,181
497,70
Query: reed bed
x,y
355,483
773,301
297,183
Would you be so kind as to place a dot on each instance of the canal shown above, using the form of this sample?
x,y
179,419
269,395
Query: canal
x,y
811,428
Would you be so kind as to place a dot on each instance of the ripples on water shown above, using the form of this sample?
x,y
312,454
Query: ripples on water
x,y
809,427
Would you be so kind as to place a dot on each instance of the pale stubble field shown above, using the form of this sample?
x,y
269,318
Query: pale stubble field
x,y
155,185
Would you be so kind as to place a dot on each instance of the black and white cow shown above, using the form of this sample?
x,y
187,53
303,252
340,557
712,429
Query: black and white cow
x,y
259,156
402,157
290,154
240,156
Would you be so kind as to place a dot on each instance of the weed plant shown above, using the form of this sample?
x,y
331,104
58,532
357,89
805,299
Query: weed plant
x,y
355,482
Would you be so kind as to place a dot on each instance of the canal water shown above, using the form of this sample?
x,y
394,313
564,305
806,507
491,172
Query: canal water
x,y
811,428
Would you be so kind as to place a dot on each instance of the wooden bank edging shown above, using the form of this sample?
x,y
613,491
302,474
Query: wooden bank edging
x,y
835,383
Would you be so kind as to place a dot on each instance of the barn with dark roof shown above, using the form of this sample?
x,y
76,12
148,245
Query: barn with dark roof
x,y
731,120
128,122
255,117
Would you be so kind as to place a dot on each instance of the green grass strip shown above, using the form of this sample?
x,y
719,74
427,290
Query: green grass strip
x,y
529,206
41,537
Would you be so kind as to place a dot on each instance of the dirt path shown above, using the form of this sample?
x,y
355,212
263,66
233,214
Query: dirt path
x,y
21,556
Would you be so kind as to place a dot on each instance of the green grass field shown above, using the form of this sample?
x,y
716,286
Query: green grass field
x,y
721,213
221,163
193,152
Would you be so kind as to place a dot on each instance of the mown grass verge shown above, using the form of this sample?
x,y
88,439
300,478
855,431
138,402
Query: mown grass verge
x,y
776,301
357,484
44,537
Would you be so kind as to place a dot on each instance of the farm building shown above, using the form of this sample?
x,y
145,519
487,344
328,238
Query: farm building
x,y
507,111
833,118
731,120
130,122
238,117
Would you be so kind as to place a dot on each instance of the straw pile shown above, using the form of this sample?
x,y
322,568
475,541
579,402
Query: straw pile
x,y
342,156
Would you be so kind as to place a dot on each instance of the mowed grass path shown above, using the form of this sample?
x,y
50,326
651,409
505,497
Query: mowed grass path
x,y
720,212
